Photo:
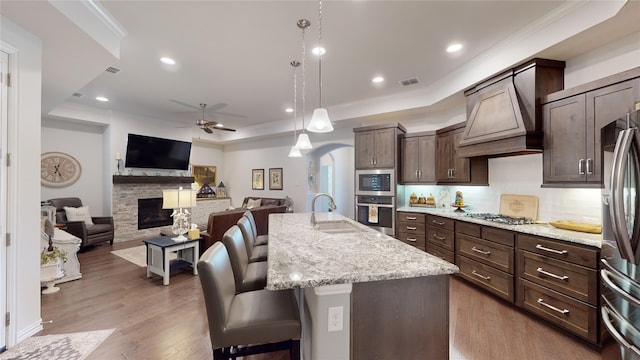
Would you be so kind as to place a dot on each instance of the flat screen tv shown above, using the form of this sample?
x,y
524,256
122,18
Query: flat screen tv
x,y
157,153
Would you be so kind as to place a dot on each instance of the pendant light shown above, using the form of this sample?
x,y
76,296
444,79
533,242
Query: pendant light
x,y
303,140
320,121
295,152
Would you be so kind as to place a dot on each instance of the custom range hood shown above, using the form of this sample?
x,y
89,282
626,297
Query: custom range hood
x,y
504,112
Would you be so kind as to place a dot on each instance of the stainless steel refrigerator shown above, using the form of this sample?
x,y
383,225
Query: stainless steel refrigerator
x,y
620,260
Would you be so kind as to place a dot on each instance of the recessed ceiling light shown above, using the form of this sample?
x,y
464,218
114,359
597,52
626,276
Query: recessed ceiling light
x,y
289,110
377,79
168,61
454,48
319,51
102,98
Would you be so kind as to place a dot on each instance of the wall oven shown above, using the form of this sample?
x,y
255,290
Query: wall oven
x,y
377,212
377,182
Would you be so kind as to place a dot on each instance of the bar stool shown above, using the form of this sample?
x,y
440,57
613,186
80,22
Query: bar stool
x,y
247,323
255,252
248,276
260,239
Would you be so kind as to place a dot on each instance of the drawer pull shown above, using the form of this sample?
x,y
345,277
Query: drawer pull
x,y
411,227
441,238
561,252
563,311
412,218
481,276
437,222
563,277
483,252
412,239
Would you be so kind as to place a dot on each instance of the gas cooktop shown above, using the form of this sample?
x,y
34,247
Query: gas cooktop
x,y
503,219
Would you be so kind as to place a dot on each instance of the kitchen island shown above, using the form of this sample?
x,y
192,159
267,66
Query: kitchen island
x,y
363,295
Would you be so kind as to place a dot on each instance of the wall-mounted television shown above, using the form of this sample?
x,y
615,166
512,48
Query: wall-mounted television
x,y
157,153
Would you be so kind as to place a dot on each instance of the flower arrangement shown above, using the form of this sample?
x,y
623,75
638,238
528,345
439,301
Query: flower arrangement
x,y
48,256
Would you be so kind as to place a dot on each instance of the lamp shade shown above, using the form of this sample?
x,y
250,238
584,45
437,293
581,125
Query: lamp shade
x,y
320,122
178,198
295,152
303,142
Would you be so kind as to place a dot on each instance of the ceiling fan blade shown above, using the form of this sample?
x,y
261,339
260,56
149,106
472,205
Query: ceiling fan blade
x,y
210,123
185,104
230,114
216,107
225,129
207,130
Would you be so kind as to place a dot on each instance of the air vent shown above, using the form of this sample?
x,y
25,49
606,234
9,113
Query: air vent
x,y
112,70
408,82
78,94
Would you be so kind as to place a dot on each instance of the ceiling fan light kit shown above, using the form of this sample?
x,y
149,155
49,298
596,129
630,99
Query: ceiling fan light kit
x,y
320,121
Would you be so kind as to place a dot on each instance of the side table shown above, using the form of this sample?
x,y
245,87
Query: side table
x,y
158,250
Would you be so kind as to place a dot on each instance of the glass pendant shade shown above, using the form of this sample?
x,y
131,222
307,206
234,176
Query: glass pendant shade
x,y
320,122
295,152
303,142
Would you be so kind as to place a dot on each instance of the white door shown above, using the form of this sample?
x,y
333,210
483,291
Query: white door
x,y
4,70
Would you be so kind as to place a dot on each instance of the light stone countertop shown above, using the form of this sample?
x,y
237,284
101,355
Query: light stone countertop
x,y
301,256
545,230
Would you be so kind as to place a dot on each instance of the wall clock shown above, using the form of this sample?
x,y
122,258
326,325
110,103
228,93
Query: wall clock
x,y
59,169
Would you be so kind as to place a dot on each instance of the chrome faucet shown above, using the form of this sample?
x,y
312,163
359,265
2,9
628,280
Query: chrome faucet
x,y
313,206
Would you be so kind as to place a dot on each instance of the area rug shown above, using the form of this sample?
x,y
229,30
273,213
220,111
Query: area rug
x,y
137,255
75,346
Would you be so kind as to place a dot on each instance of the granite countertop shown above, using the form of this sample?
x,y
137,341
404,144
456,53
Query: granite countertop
x,y
545,230
301,256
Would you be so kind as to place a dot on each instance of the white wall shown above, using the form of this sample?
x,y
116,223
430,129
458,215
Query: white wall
x,y
23,262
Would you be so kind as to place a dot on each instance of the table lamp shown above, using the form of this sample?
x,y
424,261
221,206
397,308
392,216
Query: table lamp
x,y
179,200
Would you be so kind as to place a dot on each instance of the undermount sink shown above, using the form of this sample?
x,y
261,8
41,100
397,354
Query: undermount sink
x,y
336,227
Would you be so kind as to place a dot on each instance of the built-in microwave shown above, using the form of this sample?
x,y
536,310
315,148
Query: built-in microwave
x,y
378,182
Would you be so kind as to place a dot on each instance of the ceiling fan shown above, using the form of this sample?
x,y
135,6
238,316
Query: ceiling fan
x,y
206,126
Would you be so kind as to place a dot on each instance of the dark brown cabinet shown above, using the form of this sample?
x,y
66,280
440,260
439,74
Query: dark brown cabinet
x,y
418,158
452,169
376,146
439,236
572,130
411,228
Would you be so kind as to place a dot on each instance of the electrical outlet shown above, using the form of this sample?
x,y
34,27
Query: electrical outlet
x,y
335,318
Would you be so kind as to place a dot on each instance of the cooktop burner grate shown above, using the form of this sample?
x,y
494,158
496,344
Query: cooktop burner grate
x,y
503,219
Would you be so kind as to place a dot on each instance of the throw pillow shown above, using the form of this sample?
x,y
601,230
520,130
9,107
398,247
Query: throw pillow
x,y
78,214
253,203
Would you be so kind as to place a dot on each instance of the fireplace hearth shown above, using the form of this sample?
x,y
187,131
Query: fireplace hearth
x,y
151,214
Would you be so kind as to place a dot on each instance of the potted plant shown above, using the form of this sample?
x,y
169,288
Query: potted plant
x,y
51,263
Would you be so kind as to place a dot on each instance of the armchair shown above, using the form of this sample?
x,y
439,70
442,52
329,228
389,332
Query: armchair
x,y
100,231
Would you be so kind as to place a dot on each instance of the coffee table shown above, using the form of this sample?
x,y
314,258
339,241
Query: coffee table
x,y
158,250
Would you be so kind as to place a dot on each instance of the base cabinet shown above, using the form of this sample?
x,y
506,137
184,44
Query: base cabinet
x,y
411,229
440,239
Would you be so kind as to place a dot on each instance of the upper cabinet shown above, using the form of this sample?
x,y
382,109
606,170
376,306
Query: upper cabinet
x,y
573,120
377,146
453,169
418,158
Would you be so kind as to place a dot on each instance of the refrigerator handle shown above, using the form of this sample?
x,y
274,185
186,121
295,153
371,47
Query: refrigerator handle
x,y
616,198
609,273
607,314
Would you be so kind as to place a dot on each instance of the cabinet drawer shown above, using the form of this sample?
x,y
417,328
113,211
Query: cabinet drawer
x,y
570,279
568,313
440,222
411,228
410,217
443,238
487,252
559,250
440,252
468,228
496,281
504,237
412,239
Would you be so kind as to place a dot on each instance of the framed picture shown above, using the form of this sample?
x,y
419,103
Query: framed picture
x,y
204,174
275,179
257,179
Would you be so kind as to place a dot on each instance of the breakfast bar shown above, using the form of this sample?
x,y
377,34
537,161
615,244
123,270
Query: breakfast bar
x,y
362,294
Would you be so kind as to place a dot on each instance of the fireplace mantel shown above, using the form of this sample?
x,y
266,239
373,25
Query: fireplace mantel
x,y
133,179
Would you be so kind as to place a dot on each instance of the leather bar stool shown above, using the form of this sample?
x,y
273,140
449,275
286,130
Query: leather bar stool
x,y
255,252
260,239
248,276
246,323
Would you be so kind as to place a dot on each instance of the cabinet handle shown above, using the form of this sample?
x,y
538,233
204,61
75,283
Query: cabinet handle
x,y
412,218
453,173
563,277
412,239
561,252
371,161
437,222
581,166
441,238
589,169
411,227
487,278
417,174
563,311
375,161
483,252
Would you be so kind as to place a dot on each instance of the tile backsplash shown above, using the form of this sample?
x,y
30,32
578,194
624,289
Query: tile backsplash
x,y
518,175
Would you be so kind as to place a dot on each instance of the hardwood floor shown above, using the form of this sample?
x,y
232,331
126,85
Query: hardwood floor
x,y
153,321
